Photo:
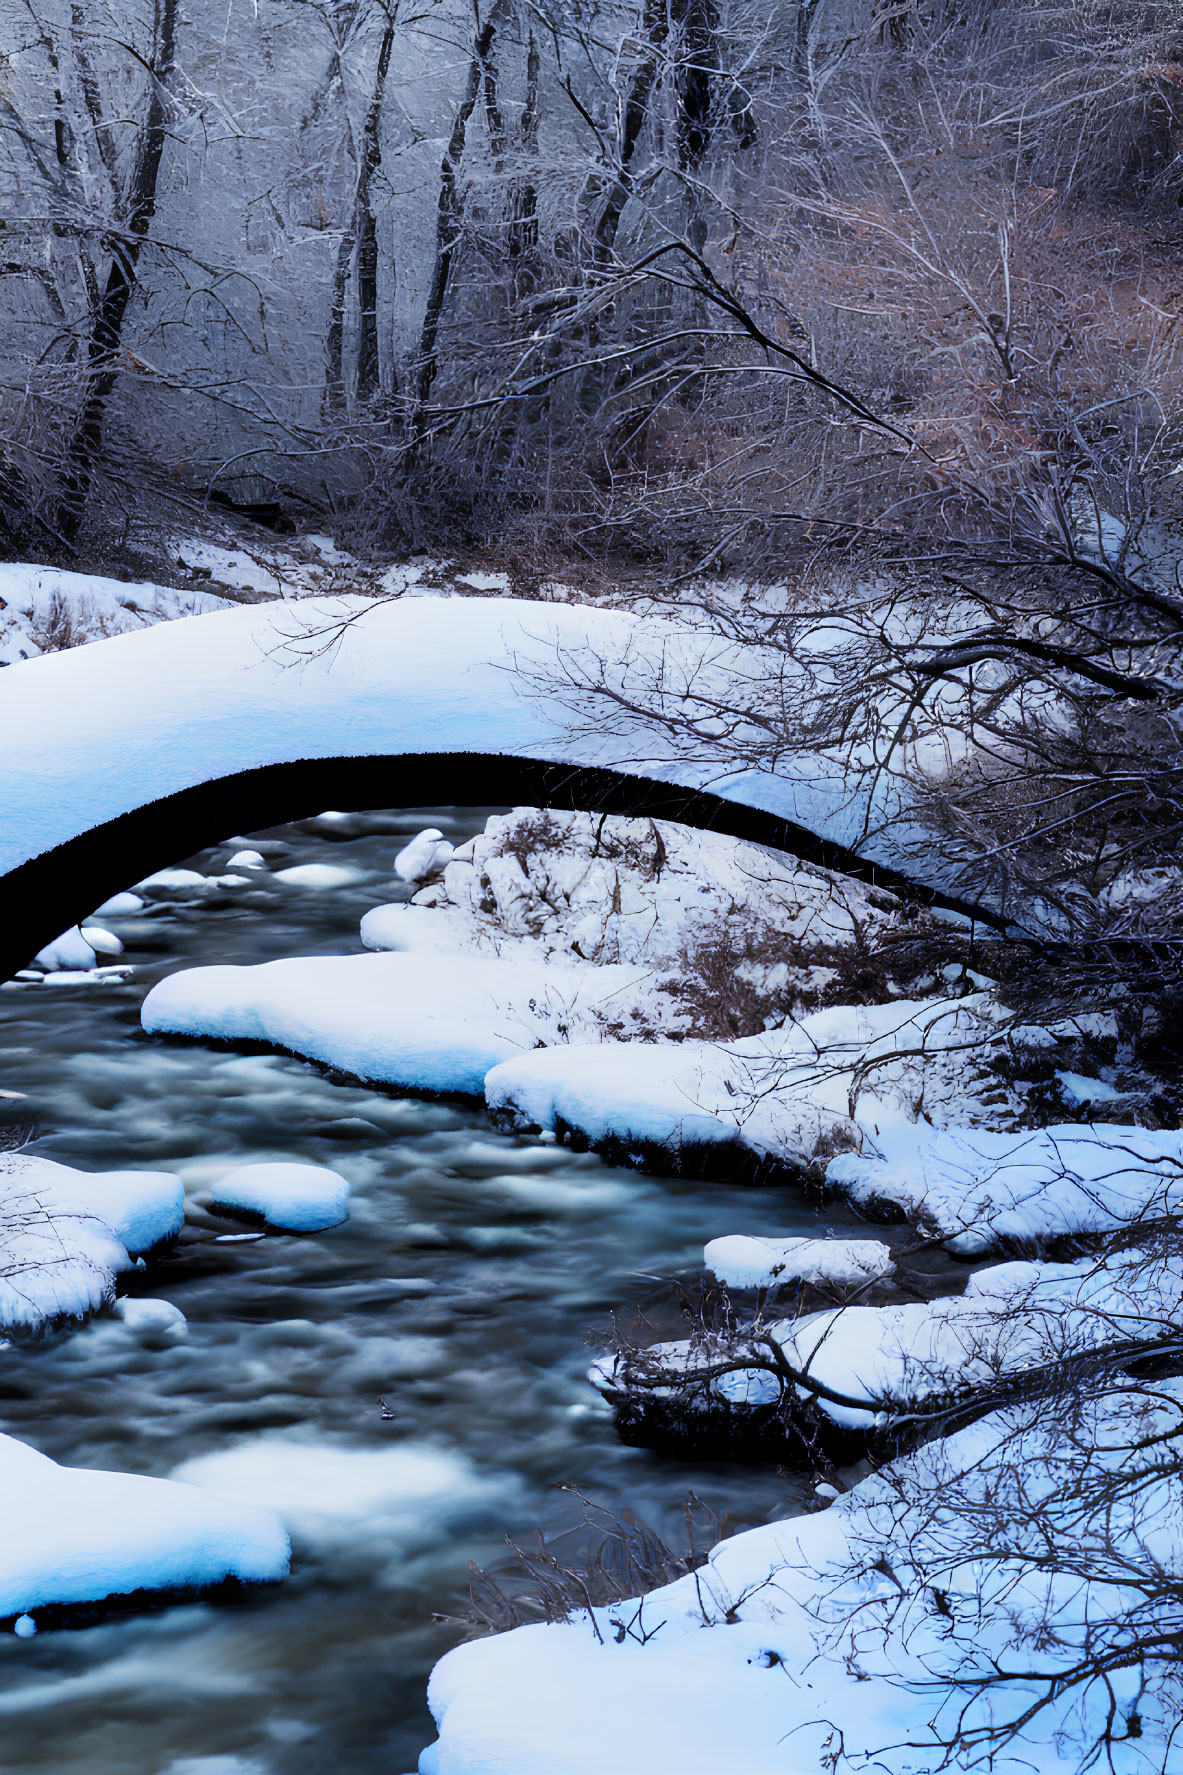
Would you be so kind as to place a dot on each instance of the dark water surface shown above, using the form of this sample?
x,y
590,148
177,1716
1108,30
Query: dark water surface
x,y
461,1290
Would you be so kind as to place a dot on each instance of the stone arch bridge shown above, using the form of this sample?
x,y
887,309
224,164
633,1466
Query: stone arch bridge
x,y
119,757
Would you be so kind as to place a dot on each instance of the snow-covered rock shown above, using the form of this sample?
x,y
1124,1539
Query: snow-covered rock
x,y
404,925
76,1535
979,1190
79,976
57,1260
427,1023
141,1314
124,905
66,1234
741,1261
426,854
167,883
295,1198
70,951
248,859
103,942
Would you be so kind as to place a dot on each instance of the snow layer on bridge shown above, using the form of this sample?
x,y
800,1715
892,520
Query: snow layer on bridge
x,y
93,733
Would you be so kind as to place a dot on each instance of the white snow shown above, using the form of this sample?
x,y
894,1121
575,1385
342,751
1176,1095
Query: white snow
x,y
73,1534
123,905
1077,1089
557,885
1012,1316
57,1260
142,1208
69,952
813,1644
426,854
976,1189
404,925
91,732
248,859
792,1093
66,1234
103,942
144,1315
45,608
427,1023
742,1261
297,1198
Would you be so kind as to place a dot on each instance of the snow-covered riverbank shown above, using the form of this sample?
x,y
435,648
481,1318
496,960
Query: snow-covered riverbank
x,y
683,1002
897,1102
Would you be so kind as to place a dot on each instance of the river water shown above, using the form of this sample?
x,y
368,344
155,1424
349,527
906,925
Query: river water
x,y
461,1290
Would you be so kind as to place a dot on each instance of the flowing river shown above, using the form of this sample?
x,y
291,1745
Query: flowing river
x,y
461,1291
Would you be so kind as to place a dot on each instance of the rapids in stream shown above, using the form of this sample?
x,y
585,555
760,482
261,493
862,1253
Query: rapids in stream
x,y
461,1291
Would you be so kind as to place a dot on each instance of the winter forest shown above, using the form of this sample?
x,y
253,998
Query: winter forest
x,y
591,786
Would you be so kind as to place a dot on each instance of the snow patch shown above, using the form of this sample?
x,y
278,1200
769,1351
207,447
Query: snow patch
x,y
978,1189
427,1023
66,1234
741,1261
427,853
296,1198
74,1535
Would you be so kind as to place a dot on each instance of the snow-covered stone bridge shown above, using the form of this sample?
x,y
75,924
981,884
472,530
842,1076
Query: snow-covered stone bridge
x,y
122,756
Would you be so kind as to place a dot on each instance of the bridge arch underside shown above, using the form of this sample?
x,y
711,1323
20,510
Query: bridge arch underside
x,y
45,896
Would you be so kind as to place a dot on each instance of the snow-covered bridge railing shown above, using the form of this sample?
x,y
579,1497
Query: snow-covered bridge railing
x,y
121,756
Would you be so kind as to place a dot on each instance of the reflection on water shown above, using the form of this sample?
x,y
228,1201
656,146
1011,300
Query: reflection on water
x,y
461,1291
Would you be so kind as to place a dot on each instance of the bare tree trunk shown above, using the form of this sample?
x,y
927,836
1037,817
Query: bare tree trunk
x,y
360,239
106,332
636,110
448,228
368,361
523,216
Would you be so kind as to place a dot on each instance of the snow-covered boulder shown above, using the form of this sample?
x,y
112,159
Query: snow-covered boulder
x,y
124,905
171,884
426,1023
143,1315
71,951
404,925
426,854
65,1235
742,1261
295,1198
74,1535
102,941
